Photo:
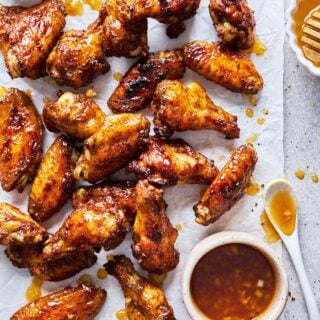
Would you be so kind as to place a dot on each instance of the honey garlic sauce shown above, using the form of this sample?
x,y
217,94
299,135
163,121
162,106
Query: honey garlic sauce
x,y
233,282
283,209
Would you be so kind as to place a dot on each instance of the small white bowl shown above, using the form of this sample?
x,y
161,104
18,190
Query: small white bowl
x,y
229,237
293,41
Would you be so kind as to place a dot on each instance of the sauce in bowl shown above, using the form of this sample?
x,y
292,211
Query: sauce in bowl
x,y
233,282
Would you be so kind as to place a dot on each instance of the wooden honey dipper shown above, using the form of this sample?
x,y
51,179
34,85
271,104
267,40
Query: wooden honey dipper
x,y
310,38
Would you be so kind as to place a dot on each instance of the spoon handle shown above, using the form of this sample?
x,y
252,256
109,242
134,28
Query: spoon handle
x,y
295,253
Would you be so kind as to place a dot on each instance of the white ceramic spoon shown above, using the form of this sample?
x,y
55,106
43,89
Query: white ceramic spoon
x,y
292,244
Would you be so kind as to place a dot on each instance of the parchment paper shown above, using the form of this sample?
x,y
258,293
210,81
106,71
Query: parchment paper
x,y
245,216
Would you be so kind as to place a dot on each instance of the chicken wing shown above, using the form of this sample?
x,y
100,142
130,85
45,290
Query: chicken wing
x,y
94,224
54,181
30,35
230,69
180,107
78,57
76,114
173,162
21,132
153,235
143,300
17,228
83,303
228,187
234,21
31,257
136,89
122,193
112,147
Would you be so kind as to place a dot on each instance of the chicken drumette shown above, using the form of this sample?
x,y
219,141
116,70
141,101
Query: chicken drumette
x,y
180,107
153,235
83,302
220,64
167,163
136,89
228,187
143,300
234,21
76,114
28,36
21,132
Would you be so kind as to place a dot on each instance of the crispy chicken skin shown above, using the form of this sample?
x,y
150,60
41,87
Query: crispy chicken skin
x,y
112,147
228,187
17,228
230,69
81,303
31,257
180,107
153,235
143,300
234,21
122,193
30,36
21,132
167,163
78,57
76,114
136,89
54,181
97,223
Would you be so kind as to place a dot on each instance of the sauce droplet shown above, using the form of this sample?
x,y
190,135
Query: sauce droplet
x,y
265,111
90,93
94,4
34,290
252,189
271,233
74,7
251,139
261,121
315,178
122,314
3,91
221,157
117,76
110,257
249,112
253,100
102,273
157,279
85,279
258,48
300,174
28,92
283,210
178,227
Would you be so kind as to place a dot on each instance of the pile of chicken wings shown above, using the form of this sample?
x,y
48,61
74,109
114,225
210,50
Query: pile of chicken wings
x,y
93,145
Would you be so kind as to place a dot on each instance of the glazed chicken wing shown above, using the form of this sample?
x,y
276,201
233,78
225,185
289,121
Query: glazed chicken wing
x,y
17,228
112,147
180,107
81,303
153,235
21,132
230,69
136,89
97,223
143,300
76,114
54,181
30,35
31,257
234,21
228,187
167,163
78,57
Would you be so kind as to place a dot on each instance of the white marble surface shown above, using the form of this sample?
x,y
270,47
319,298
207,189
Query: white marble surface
x,y
302,150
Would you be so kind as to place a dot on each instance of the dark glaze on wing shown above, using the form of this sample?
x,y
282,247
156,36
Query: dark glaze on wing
x,y
31,257
17,228
180,107
81,303
228,187
230,69
143,300
167,163
31,37
112,146
76,114
234,21
136,89
21,132
153,235
54,181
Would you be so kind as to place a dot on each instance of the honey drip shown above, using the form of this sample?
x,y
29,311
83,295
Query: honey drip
x,y
249,112
300,174
122,314
34,290
85,279
251,139
102,273
252,189
261,121
117,76
315,178
271,233
74,7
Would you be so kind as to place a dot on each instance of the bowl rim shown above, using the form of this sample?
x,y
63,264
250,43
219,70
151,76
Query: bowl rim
x,y
292,41
227,237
